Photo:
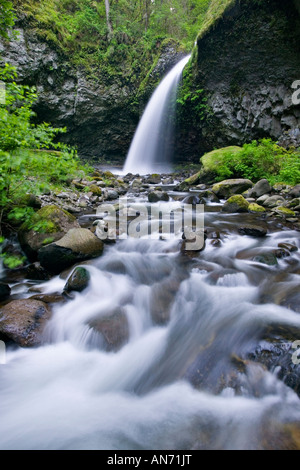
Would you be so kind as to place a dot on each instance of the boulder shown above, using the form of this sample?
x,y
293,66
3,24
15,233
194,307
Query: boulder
x,y
236,204
96,190
261,188
153,179
4,291
77,245
23,321
253,207
78,281
284,212
52,221
253,230
157,196
273,201
112,195
228,188
295,192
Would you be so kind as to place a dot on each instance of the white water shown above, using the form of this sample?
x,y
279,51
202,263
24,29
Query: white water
x,y
151,147
73,394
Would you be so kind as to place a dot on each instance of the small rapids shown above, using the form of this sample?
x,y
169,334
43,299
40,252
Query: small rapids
x,y
181,377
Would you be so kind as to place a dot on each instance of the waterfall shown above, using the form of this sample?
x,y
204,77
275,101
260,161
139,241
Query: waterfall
x,y
151,148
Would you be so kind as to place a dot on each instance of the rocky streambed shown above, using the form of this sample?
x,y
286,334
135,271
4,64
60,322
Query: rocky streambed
x,y
230,310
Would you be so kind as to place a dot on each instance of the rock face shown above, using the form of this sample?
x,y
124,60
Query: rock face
x,y
99,115
77,245
23,320
246,65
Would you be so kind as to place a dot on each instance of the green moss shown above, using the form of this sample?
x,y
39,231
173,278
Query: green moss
x,y
236,203
256,208
216,161
284,211
215,13
95,190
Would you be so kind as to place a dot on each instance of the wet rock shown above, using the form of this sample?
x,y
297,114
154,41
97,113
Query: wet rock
x,y
49,298
288,246
78,281
273,201
261,188
157,196
253,207
262,199
153,179
113,328
23,321
77,245
4,291
266,258
236,204
295,192
55,222
228,188
36,272
112,195
285,212
253,230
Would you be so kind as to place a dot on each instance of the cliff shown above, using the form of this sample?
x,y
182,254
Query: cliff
x,y
246,60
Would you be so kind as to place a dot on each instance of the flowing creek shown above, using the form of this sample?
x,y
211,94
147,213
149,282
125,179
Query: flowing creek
x,y
190,370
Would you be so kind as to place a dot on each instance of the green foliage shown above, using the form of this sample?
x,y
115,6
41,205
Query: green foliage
x,y
79,29
7,17
191,102
30,160
255,161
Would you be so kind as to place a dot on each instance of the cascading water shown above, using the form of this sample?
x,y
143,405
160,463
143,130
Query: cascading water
x,y
175,381
151,148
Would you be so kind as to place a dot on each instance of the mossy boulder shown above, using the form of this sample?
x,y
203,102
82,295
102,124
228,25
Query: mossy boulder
x,y
77,245
253,207
236,204
227,188
96,190
78,280
49,224
284,212
215,161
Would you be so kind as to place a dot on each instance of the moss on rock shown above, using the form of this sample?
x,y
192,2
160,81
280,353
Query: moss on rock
x,y
253,207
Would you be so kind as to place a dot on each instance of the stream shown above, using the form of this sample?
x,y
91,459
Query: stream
x,y
182,375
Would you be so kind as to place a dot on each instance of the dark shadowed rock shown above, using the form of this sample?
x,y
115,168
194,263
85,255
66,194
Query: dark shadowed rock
x,y
253,230
77,245
4,291
295,192
23,321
